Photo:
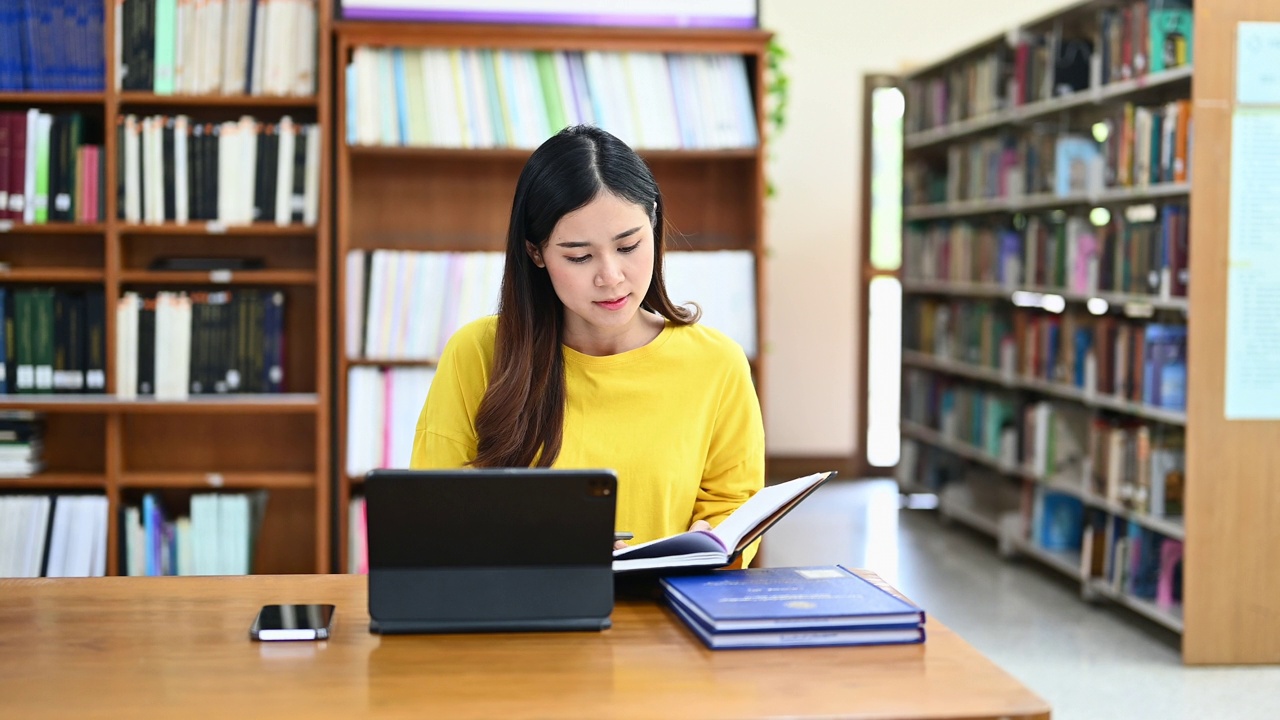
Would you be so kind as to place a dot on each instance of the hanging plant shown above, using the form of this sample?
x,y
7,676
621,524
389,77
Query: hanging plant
x,y
777,89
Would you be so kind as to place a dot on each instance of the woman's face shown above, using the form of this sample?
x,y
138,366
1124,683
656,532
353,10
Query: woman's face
x,y
600,260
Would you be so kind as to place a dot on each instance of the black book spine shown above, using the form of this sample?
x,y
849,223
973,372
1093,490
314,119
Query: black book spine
x,y
195,165
298,198
271,173
147,347
95,341
260,173
211,172
170,165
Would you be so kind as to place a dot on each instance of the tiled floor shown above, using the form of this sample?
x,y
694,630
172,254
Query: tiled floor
x,y
1089,662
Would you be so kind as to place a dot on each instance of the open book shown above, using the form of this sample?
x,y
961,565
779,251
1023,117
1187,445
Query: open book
x,y
722,545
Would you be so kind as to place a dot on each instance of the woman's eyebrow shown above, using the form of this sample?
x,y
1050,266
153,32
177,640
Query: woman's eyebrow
x,y
582,243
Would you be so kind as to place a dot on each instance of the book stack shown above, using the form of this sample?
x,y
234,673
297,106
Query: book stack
x,y
21,443
792,607
53,536
217,537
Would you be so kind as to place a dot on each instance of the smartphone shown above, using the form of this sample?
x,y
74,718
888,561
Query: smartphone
x,y
293,622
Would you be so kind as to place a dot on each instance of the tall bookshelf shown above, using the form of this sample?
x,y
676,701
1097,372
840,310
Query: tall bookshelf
x,y
451,199
1014,389
124,448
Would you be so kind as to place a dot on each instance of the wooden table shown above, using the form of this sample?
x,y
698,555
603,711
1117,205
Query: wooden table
x,y
179,648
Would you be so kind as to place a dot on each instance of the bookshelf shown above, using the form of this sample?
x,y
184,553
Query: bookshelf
x,y
1015,386
437,198
1017,381
124,447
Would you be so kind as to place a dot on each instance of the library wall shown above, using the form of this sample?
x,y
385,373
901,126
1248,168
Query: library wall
x,y
812,271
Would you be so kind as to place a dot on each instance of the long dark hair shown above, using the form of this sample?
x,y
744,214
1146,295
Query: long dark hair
x,y
521,418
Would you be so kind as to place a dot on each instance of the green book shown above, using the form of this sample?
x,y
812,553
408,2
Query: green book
x,y
24,341
44,126
1171,31
497,108
418,132
552,93
45,347
166,53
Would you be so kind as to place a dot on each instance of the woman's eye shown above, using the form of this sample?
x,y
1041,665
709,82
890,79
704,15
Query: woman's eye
x,y
579,260
629,248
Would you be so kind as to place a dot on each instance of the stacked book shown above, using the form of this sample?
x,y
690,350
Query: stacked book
x,y
792,607
53,536
21,443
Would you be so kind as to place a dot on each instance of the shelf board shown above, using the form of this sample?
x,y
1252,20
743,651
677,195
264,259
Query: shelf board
x,y
1168,617
1064,561
1067,392
386,362
970,518
284,403
219,277
1044,108
1045,201
212,227
52,275
225,101
43,97
481,154
960,449
218,480
9,227
960,288
59,480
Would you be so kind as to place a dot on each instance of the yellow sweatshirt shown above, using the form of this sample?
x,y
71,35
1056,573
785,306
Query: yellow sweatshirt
x,y
678,420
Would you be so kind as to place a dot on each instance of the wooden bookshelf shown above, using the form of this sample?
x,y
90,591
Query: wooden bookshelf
x,y
1227,558
1215,578
450,199
125,448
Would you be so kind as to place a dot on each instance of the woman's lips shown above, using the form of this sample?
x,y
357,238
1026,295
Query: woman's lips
x,y
613,304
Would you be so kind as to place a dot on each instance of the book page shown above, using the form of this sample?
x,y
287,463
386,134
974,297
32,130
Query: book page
x,y
761,505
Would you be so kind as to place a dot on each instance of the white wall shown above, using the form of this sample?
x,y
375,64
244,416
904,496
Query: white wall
x,y
810,402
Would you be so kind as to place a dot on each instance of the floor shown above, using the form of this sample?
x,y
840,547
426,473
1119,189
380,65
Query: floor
x,y
1091,662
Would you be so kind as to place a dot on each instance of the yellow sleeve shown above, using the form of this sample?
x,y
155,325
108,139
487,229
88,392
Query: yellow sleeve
x,y
735,461
445,436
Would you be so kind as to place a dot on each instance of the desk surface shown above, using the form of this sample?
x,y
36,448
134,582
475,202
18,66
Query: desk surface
x,y
179,647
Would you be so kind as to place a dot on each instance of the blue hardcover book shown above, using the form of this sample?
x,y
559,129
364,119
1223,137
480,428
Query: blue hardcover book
x,y
813,637
775,599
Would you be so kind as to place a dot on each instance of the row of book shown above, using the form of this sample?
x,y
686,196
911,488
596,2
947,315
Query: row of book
x,y
516,98
1055,521
1125,42
383,405
228,47
51,167
52,45
1138,146
406,304
53,536
21,443
1109,356
1058,441
217,536
54,340
1134,560
171,345
1117,43
174,169
1143,250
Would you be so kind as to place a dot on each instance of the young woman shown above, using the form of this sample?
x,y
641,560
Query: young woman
x,y
588,363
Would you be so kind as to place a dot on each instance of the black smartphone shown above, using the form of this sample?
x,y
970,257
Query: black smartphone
x,y
293,622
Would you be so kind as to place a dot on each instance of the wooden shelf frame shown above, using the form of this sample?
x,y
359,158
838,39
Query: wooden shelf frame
x,y
353,161
304,418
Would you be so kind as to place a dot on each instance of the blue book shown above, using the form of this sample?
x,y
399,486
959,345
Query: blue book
x,y
813,637
827,597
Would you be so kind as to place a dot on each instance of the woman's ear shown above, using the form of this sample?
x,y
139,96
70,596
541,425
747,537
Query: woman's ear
x,y
534,254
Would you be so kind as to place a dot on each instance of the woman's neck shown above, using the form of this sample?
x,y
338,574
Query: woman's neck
x,y
590,341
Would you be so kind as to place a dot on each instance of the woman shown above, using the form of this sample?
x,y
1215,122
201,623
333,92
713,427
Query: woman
x,y
588,363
